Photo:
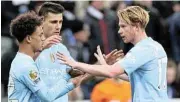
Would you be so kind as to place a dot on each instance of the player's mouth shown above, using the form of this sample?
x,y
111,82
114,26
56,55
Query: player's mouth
x,y
123,37
57,33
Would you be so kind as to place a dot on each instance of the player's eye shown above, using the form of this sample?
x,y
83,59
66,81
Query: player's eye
x,y
60,21
122,26
53,22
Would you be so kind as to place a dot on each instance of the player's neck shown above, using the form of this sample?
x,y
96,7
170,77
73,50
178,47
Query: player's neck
x,y
26,49
139,37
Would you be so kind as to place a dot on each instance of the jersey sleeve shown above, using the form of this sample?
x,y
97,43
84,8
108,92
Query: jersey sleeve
x,y
30,77
49,95
135,58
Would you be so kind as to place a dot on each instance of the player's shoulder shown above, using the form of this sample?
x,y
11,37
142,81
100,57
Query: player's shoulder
x,y
24,65
58,46
21,64
147,45
22,60
61,45
53,48
61,48
156,46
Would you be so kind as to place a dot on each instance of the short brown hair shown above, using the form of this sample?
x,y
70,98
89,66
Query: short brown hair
x,y
25,24
134,14
50,7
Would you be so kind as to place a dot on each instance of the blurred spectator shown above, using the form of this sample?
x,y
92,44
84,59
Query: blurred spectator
x,y
177,84
174,29
112,90
10,9
102,22
171,77
117,5
68,14
178,75
164,8
7,15
74,38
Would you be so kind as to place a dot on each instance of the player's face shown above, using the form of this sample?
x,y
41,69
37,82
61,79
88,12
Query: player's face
x,y
52,24
126,31
37,39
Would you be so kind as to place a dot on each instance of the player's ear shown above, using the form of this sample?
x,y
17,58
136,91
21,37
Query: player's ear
x,y
28,38
136,26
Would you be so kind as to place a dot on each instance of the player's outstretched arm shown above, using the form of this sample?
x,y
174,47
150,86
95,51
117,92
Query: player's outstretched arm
x,y
50,94
110,59
97,70
57,91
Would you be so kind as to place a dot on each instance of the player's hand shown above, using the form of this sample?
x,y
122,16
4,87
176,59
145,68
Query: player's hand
x,y
75,73
113,56
65,60
99,56
77,80
51,40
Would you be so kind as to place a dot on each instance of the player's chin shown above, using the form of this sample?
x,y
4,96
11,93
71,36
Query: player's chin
x,y
125,41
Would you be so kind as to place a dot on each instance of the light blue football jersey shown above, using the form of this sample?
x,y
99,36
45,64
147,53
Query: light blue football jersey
x,y
51,70
25,84
146,65
19,76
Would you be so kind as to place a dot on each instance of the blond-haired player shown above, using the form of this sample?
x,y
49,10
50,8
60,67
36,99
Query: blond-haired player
x,y
145,64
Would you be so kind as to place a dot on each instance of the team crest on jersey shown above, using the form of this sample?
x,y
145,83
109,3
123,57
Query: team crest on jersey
x,y
34,76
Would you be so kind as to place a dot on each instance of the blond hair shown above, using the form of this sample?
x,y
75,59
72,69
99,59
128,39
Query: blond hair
x,y
134,14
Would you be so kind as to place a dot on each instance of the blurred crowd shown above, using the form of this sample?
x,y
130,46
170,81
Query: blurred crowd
x,y
87,24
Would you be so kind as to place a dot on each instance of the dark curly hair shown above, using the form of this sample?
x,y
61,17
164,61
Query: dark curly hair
x,y
25,24
50,7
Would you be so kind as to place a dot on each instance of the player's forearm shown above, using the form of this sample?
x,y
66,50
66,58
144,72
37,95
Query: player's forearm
x,y
51,94
124,77
96,70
